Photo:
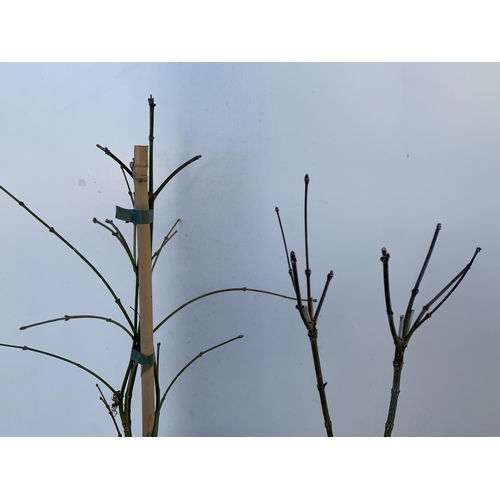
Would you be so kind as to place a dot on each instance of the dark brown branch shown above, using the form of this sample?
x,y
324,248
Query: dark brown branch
x,y
306,238
173,174
414,292
284,243
387,292
122,165
460,276
296,285
329,277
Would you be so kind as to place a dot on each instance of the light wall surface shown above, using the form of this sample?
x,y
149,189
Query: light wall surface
x,y
391,150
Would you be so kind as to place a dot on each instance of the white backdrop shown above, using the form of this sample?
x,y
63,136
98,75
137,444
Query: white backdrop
x,y
391,150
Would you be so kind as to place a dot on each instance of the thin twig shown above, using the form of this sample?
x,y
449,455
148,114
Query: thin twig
x,y
192,361
151,200
156,422
460,276
118,233
299,306
112,415
415,290
26,348
284,243
329,277
124,169
173,174
152,105
306,239
80,316
134,244
167,238
122,165
242,289
119,236
67,243
387,292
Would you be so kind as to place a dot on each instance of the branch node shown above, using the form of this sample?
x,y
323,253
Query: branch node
x,y
313,336
398,366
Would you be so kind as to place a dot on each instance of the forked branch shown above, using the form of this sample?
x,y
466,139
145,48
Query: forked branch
x,y
307,314
406,329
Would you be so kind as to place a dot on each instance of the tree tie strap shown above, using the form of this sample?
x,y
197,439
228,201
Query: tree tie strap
x,y
146,362
135,216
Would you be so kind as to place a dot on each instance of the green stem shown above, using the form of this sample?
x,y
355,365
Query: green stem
x,y
313,337
306,239
387,293
119,236
173,174
66,360
307,314
284,242
396,380
415,290
167,238
123,167
296,285
156,424
425,310
152,105
329,277
67,243
131,372
124,415
128,399
192,361
80,316
242,289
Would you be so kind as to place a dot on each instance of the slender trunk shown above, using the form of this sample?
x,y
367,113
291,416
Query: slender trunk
x,y
313,337
396,380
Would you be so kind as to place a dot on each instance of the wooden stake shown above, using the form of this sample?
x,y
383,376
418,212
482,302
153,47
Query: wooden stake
x,y
140,171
